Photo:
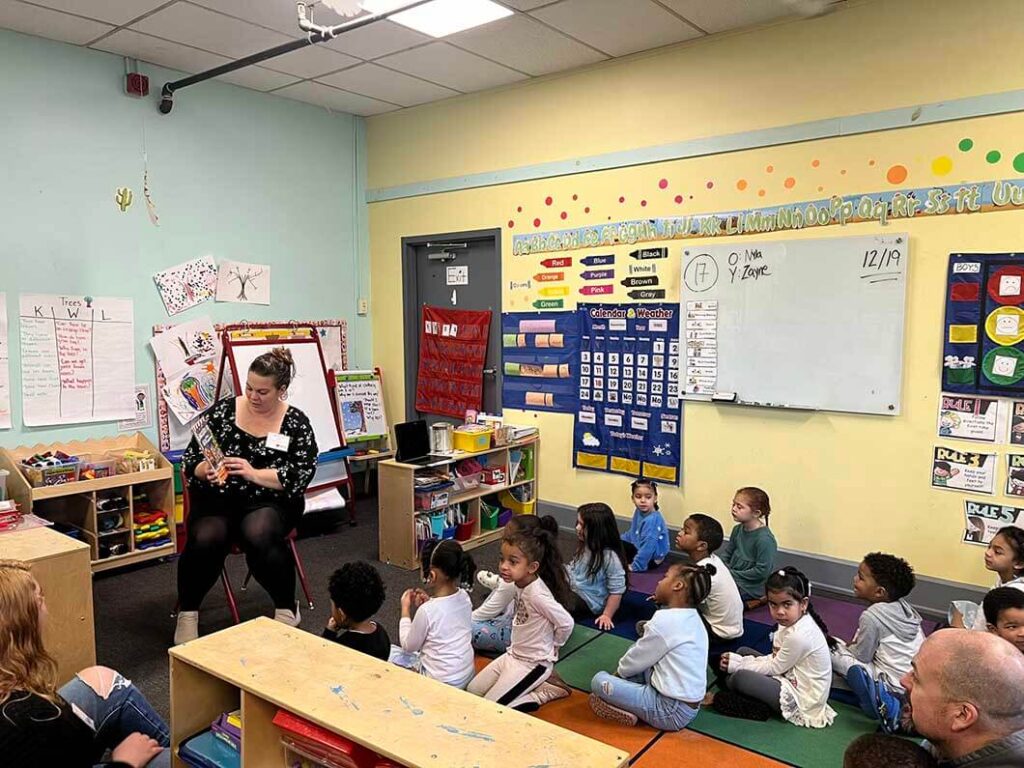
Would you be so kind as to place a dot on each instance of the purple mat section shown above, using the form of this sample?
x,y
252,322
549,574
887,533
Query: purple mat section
x,y
841,616
646,581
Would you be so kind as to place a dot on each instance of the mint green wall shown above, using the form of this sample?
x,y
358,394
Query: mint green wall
x,y
234,173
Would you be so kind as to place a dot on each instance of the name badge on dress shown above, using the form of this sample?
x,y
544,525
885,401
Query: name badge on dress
x,y
278,442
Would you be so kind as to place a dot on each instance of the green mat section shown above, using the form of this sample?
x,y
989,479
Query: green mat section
x,y
602,653
580,636
818,747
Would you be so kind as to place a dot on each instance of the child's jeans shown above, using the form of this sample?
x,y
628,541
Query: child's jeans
x,y
122,712
493,635
638,696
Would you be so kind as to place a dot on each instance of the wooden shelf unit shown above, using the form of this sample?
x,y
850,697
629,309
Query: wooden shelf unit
x,y
263,665
396,499
77,503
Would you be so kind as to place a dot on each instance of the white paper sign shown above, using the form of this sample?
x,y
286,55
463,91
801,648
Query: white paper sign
x,y
361,405
186,344
5,374
77,359
143,410
243,283
457,275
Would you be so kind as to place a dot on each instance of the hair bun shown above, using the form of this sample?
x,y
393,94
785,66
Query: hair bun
x,y
283,354
548,524
709,569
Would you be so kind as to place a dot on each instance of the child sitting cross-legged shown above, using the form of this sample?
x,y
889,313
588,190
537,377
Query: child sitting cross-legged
x,y
750,553
793,681
888,632
597,571
646,542
357,592
441,631
722,610
662,678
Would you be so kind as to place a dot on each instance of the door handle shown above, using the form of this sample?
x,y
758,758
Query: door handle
x,y
490,371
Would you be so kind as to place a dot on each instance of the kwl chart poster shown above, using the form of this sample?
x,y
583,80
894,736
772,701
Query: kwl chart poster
x,y
983,519
969,418
965,471
628,420
77,359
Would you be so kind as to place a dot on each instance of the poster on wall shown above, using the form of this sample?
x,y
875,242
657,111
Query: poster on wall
x,y
143,418
5,373
1014,474
956,470
629,415
361,405
540,356
968,418
983,519
243,283
187,285
453,350
77,359
1016,436
983,340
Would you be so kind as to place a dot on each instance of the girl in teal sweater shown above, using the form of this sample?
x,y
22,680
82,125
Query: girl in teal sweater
x,y
750,551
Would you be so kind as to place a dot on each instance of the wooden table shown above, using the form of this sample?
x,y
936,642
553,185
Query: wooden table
x,y
61,566
263,665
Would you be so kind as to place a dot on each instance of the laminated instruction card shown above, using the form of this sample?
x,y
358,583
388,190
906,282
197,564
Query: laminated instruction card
x,y
956,470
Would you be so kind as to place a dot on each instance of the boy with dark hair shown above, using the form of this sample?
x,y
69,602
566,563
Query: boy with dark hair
x,y
357,592
722,610
888,633
873,750
1004,613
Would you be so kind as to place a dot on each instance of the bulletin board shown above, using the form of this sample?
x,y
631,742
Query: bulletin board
x,y
361,405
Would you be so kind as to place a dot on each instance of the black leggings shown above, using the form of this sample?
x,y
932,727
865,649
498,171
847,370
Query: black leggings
x,y
260,531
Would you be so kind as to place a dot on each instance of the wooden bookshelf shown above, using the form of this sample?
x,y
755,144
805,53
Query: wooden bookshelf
x,y
263,665
77,503
396,495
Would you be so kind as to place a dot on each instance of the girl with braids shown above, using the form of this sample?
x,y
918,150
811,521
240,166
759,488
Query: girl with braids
x,y
441,631
663,676
270,454
531,563
794,680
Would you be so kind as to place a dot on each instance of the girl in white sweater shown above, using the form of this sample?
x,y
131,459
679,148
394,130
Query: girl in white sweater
x,y
441,630
794,680
530,561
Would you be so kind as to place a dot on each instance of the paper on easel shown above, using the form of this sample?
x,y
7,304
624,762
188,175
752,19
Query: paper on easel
x,y
5,375
211,449
192,391
184,345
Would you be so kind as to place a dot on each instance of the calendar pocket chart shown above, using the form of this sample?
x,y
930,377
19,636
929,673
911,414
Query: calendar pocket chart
x,y
629,416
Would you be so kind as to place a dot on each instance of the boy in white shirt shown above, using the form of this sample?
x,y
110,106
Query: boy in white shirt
x,y
722,610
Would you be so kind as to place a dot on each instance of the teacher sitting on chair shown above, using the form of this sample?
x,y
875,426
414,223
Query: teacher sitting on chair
x,y
270,456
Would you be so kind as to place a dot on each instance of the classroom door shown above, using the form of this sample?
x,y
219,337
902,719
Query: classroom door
x,y
459,270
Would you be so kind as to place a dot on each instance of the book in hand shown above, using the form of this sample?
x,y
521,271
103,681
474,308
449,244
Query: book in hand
x,y
211,449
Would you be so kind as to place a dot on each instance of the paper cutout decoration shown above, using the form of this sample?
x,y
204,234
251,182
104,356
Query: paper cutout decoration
x,y
184,345
150,205
243,283
187,285
191,392
123,198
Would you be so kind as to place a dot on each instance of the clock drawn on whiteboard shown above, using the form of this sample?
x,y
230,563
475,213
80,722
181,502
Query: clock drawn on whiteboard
x,y
700,273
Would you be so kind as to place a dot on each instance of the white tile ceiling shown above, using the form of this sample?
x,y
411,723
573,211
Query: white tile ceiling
x,y
383,66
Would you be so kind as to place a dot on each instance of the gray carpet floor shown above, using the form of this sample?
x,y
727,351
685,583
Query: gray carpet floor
x,y
133,607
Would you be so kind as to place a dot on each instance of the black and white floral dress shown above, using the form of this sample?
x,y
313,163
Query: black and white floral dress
x,y
295,466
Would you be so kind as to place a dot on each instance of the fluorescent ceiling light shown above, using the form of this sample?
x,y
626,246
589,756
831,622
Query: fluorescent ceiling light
x,y
441,17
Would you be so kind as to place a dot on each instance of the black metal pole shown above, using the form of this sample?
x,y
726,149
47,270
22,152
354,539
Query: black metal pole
x,y
314,37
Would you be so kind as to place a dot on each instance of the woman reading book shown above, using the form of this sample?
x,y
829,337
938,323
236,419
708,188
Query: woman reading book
x,y
269,454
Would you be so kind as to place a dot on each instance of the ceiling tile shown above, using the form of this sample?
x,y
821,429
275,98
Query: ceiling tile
x,y
441,63
257,78
310,61
371,80
616,27
198,27
273,14
527,5
163,53
341,101
43,22
114,11
728,14
377,39
527,45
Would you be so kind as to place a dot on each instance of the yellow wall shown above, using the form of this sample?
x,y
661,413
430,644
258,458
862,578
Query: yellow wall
x,y
841,485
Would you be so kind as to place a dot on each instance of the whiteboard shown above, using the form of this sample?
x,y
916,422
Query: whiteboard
x,y
308,391
361,405
814,324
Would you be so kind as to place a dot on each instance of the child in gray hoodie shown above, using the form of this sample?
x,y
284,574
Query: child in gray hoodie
x,y
888,633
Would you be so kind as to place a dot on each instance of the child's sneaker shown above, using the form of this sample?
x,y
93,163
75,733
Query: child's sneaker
x,y
888,706
603,709
488,579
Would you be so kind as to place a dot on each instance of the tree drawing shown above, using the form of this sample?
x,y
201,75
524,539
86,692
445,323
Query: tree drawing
x,y
248,279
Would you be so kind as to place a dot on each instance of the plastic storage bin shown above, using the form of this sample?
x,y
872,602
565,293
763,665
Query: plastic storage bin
x,y
504,516
57,475
488,517
450,533
464,531
437,523
431,499
95,466
472,441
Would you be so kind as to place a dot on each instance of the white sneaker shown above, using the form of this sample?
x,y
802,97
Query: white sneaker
x,y
546,692
488,579
187,627
291,618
